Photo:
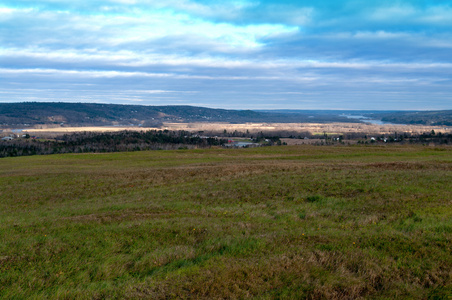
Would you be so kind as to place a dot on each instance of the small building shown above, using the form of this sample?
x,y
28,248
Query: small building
x,y
241,145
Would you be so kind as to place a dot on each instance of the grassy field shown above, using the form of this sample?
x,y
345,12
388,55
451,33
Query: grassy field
x,y
269,128
265,223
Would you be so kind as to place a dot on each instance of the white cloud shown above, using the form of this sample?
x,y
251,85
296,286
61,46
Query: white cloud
x,y
393,13
8,10
410,14
102,31
439,15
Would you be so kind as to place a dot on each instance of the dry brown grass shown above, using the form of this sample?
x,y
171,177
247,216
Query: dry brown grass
x,y
83,129
314,128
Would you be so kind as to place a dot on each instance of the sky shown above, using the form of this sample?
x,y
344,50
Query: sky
x,y
260,54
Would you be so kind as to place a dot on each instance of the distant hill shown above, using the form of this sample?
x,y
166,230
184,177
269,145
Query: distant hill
x,y
84,114
34,113
434,118
27,114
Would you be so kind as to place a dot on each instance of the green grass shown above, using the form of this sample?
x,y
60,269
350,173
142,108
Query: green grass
x,y
264,223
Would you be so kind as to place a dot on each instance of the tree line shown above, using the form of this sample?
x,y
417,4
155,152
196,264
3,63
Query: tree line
x,y
87,142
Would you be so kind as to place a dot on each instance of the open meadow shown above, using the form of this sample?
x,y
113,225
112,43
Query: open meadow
x,y
316,222
270,128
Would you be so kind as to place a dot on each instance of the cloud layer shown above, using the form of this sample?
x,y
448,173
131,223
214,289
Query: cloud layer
x,y
236,54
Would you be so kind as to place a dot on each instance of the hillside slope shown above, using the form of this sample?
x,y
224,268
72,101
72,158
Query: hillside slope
x,y
85,114
434,118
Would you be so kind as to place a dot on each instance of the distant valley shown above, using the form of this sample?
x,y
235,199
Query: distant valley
x,y
31,114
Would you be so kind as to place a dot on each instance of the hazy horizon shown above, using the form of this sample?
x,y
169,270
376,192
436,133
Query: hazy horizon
x,y
257,110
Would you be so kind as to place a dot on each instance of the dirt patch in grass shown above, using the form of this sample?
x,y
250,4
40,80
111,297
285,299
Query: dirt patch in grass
x,y
123,215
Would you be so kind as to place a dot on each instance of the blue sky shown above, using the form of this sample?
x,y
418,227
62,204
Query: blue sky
x,y
229,54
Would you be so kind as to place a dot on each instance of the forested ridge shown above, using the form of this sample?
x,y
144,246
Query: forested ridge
x,y
19,115
29,114
433,118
